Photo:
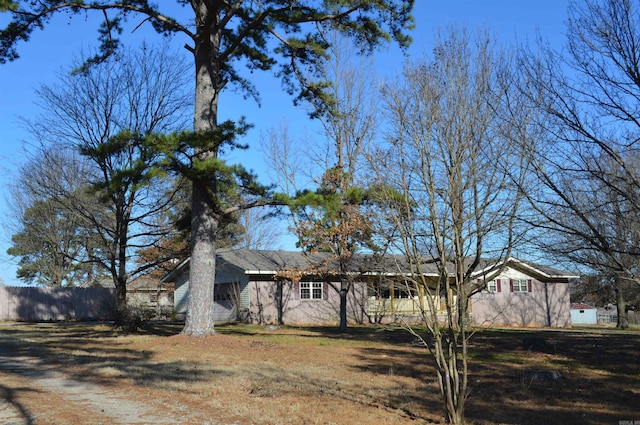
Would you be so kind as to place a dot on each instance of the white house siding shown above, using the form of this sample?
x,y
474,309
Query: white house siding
x,y
547,305
584,316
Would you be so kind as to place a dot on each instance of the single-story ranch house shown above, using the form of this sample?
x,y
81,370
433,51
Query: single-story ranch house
x,y
248,287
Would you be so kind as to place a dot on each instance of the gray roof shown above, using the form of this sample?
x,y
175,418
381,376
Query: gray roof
x,y
265,262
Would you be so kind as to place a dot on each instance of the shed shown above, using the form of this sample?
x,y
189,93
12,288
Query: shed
x,y
584,314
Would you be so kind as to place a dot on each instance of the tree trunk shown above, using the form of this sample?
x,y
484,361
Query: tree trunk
x,y
204,220
121,295
121,266
280,301
123,318
463,310
343,306
621,305
199,321
446,355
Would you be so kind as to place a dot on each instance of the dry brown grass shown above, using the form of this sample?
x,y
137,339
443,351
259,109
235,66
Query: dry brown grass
x,y
249,375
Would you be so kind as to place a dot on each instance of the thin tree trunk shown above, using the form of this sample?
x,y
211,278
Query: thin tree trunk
x,y
344,290
280,301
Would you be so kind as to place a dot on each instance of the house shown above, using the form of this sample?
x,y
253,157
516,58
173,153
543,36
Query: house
x,y
248,286
584,314
146,292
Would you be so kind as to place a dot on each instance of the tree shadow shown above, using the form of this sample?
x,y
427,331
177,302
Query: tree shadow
x,y
9,396
87,353
401,358
598,377
599,382
161,329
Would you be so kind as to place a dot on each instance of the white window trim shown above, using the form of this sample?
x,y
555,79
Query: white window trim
x,y
311,287
519,284
492,286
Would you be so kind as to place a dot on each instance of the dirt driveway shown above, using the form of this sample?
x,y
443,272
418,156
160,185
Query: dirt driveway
x,y
99,403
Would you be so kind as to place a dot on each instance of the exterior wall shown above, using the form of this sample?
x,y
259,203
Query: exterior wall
x,y
147,298
181,293
546,305
584,316
258,299
230,291
278,302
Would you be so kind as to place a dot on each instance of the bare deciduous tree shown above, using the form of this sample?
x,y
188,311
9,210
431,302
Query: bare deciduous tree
x,y
53,243
261,230
447,188
103,113
588,97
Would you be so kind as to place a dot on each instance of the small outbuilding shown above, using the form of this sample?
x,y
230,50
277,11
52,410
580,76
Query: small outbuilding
x,y
584,314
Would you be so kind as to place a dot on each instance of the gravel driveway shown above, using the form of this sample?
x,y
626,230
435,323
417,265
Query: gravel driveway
x,y
96,400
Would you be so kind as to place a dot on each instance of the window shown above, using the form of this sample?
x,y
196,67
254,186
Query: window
x,y
492,286
310,290
520,285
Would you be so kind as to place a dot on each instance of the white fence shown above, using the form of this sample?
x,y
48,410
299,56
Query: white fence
x,y
612,318
44,304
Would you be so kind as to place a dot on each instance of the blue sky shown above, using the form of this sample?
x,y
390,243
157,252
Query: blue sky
x,y
51,51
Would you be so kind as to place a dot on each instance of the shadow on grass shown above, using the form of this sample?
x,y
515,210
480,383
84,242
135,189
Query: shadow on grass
x,y
600,372
599,377
93,353
9,396
377,334
599,384
161,329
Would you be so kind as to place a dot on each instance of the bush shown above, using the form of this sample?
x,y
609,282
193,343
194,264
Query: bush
x,y
131,318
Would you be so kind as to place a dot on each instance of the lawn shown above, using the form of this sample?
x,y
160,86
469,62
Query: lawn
x,y
254,375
